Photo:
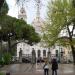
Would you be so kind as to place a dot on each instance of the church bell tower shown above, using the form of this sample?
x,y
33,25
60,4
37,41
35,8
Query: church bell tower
x,y
22,13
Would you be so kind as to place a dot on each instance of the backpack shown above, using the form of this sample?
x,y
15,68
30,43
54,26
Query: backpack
x,y
46,66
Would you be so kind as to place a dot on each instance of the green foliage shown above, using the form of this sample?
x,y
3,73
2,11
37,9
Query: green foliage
x,y
30,34
1,61
18,29
1,73
13,50
7,26
4,9
73,1
7,58
60,13
64,41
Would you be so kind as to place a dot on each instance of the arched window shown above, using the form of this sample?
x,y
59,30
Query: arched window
x,y
56,53
39,53
44,53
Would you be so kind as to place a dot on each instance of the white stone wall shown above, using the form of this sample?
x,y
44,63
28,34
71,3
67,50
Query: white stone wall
x,y
27,49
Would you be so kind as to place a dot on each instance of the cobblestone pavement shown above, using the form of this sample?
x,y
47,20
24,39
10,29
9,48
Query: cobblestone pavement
x,y
28,69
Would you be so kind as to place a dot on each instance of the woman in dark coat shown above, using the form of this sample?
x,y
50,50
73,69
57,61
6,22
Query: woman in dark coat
x,y
54,66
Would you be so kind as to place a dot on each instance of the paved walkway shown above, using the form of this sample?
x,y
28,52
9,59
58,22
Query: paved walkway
x,y
28,69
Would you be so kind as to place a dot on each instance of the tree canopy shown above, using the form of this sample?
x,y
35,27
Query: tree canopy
x,y
15,28
61,16
60,13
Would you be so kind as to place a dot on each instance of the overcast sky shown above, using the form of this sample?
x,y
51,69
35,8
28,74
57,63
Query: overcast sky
x,y
30,9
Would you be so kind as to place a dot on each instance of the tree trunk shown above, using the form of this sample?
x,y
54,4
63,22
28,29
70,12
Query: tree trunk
x,y
71,42
73,53
72,48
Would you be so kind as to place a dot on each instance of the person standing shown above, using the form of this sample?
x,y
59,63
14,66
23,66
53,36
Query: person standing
x,y
46,69
54,66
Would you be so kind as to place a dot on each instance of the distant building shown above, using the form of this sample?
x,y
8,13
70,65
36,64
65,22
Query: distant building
x,y
27,49
63,54
22,14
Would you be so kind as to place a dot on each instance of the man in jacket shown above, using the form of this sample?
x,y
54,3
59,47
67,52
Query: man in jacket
x,y
54,66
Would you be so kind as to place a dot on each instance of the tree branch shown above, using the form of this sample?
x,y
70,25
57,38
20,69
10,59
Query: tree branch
x,y
72,30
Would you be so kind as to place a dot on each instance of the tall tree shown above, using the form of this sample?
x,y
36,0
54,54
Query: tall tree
x,y
15,29
61,15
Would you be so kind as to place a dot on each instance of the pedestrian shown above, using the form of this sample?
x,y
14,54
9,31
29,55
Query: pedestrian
x,y
46,68
54,66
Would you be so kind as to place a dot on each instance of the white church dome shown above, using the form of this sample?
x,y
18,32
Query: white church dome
x,y
37,24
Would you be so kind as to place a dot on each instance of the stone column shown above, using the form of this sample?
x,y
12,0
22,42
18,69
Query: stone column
x,y
49,56
20,55
33,57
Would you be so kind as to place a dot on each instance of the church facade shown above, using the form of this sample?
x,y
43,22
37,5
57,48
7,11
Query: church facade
x,y
26,48
63,54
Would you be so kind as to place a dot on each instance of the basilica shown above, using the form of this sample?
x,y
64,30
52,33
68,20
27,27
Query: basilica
x,y
26,48
62,53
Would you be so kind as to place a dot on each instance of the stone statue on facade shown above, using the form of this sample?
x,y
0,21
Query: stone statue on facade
x,y
33,56
20,55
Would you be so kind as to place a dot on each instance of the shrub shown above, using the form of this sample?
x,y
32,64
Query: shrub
x,y
1,61
1,73
7,58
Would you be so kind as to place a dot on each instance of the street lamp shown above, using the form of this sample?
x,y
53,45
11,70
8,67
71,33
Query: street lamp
x,y
1,41
9,42
61,53
1,36
49,55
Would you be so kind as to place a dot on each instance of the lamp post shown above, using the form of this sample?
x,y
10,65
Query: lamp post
x,y
1,41
1,36
61,55
49,55
9,42
20,55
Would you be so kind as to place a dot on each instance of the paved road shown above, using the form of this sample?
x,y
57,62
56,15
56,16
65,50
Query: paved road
x,y
28,69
